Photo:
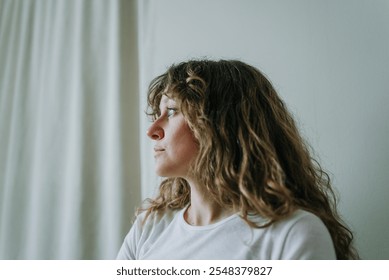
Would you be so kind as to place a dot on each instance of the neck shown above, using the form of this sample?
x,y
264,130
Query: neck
x,y
203,210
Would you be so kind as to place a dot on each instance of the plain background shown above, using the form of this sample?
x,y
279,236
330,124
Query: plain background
x,y
329,60
75,161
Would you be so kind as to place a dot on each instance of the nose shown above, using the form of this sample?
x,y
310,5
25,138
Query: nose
x,y
155,131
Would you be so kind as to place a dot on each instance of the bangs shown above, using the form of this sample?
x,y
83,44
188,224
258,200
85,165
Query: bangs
x,y
156,90
169,84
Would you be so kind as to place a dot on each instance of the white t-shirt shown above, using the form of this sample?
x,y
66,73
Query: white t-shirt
x,y
168,236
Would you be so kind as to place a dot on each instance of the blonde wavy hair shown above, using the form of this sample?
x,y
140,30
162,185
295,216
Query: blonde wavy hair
x,y
252,158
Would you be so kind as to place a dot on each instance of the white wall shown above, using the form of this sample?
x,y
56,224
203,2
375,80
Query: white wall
x,y
329,61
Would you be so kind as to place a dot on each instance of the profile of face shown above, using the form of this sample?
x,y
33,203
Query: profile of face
x,y
175,145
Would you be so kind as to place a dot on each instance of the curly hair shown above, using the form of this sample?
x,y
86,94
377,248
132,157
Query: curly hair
x,y
251,158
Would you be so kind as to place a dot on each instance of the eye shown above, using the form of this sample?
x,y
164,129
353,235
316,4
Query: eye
x,y
171,112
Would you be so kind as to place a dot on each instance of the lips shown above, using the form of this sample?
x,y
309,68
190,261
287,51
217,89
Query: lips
x,y
158,150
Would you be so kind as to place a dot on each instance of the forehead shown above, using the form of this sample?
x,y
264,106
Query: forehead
x,y
165,100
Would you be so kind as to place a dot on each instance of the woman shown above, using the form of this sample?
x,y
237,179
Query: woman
x,y
240,182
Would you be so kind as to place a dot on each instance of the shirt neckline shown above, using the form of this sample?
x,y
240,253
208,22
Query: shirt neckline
x,y
206,227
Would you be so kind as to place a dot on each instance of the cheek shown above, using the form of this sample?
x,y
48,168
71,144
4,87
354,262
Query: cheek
x,y
186,142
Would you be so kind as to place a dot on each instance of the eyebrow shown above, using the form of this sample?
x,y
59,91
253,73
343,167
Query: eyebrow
x,y
165,101
166,98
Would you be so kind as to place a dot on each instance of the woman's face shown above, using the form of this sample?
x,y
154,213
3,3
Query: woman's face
x,y
175,146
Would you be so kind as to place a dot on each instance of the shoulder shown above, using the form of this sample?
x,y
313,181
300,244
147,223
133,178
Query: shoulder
x,y
304,236
301,219
154,222
145,227
156,219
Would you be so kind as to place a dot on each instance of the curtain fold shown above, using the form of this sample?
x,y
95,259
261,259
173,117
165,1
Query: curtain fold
x,y
69,128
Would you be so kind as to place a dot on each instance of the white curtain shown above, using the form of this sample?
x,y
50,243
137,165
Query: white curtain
x,y
69,127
